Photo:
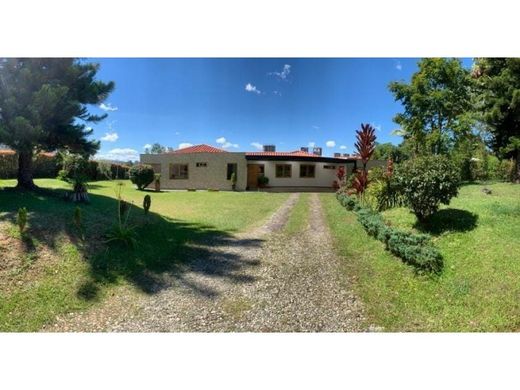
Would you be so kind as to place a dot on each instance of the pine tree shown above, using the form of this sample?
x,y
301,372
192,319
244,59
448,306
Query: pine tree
x,y
43,107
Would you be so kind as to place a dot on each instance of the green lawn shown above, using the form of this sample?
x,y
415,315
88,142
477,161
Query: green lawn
x,y
299,216
51,270
479,289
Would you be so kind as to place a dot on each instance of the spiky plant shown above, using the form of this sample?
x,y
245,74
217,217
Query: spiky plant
x,y
365,146
366,143
21,219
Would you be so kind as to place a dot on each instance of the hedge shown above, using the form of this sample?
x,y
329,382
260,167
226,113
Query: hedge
x,y
44,165
413,249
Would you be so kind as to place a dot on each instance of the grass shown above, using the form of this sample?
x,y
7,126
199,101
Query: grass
x,y
479,290
298,219
50,270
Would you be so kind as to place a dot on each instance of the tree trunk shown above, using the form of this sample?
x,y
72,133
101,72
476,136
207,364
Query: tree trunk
x,y
25,171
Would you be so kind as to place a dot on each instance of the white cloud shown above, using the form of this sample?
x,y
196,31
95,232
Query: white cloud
x,y
251,88
107,107
286,70
147,146
278,93
330,144
398,65
119,154
377,127
312,144
184,145
257,145
177,133
110,137
226,144
343,147
316,127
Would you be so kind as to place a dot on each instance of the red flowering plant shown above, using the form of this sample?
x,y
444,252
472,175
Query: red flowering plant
x,y
365,146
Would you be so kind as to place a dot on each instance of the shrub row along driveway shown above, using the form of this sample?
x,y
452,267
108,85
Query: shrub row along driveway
x,y
266,280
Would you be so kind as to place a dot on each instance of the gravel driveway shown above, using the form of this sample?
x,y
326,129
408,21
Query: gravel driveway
x,y
264,280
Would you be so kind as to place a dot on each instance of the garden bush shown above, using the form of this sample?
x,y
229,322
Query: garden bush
x,y
75,170
141,175
413,249
426,182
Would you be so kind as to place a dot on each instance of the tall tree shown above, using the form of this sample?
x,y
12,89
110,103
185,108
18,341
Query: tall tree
x,y
157,148
498,82
43,107
436,103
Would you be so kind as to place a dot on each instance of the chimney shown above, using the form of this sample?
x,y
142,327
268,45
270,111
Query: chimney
x,y
337,154
304,149
269,148
316,151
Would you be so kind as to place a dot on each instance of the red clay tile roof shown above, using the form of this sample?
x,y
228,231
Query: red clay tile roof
x,y
200,149
9,152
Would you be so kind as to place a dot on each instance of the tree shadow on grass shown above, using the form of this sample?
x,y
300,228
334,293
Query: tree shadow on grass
x,y
168,251
448,220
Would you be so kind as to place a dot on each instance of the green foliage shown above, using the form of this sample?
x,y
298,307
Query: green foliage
x,y
74,171
122,231
45,165
45,107
263,180
426,182
414,249
21,219
498,84
147,202
437,105
141,175
388,151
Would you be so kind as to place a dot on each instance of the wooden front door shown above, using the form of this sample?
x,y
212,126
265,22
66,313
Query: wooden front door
x,y
253,170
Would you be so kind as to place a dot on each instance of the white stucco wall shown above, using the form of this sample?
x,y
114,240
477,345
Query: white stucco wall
x,y
323,177
211,176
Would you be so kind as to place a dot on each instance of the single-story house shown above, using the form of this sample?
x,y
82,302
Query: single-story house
x,y
208,167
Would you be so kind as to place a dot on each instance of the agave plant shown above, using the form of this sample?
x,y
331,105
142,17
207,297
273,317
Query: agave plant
x,y
122,231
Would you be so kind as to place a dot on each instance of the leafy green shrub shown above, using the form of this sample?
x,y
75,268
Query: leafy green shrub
x,y
426,182
147,202
413,249
141,175
263,180
75,172
21,219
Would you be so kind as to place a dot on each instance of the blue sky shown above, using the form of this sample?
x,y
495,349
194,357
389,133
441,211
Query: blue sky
x,y
240,104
